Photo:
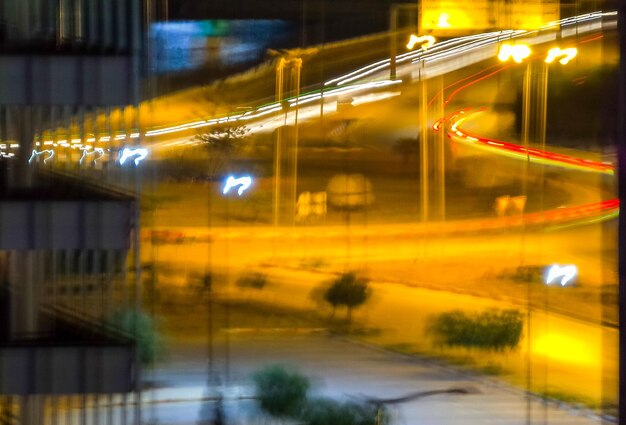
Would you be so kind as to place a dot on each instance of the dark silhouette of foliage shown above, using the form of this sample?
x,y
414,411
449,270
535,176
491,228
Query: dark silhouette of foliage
x,y
348,290
325,411
254,280
222,142
226,138
280,392
490,330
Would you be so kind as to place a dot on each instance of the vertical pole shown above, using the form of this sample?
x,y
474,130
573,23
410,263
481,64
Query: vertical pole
x,y
393,27
424,151
621,150
280,66
542,104
26,135
526,104
526,90
440,140
137,269
296,69
322,41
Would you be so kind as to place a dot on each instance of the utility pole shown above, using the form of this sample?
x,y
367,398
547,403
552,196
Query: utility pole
x,y
287,86
394,14
440,143
621,152
424,151
288,77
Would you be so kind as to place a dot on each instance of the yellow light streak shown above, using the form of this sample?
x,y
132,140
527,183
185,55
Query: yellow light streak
x,y
565,54
427,41
518,52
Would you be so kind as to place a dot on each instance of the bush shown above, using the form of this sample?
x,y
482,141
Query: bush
x,y
324,411
490,330
527,274
254,280
280,392
348,290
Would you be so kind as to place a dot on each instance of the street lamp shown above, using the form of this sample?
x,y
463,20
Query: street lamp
x,y
522,53
393,28
291,61
518,53
565,54
427,41
294,64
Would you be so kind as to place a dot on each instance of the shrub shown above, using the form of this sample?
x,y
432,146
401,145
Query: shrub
x,y
490,330
348,290
324,411
254,280
280,392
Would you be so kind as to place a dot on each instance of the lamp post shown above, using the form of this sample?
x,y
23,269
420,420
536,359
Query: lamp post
x,y
288,77
518,53
426,42
564,56
393,28
294,64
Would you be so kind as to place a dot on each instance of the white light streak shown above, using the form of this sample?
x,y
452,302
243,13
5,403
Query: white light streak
x,y
139,153
243,182
566,273
35,153
97,153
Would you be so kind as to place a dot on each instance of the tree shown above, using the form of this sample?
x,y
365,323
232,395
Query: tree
x,y
280,392
348,290
490,330
222,142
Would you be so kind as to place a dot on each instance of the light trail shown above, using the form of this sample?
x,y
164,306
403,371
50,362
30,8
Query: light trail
x,y
520,152
587,213
448,49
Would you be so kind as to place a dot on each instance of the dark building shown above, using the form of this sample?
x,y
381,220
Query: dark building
x,y
64,240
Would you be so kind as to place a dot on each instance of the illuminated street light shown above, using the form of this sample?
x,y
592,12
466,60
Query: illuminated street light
x,y
565,54
518,52
564,273
427,41
243,182
139,154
